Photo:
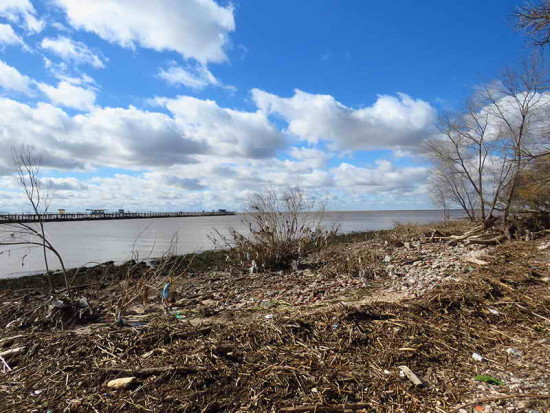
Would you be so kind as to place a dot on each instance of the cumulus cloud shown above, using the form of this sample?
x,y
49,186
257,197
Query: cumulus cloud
x,y
69,95
193,76
390,123
105,137
12,80
64,184
384,177
196,29
191,184
232,132
72,51
21,12
9,37
310,156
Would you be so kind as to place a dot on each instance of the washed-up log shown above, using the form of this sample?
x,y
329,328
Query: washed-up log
x,y
319,408
411,376
152,371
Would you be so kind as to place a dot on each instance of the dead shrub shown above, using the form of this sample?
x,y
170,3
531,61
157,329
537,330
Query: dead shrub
x,y
283,227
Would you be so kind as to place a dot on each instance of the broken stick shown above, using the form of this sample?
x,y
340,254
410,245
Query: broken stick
x,y
411,376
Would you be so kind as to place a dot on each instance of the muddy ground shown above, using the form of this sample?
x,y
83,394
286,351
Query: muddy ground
x,y
470,322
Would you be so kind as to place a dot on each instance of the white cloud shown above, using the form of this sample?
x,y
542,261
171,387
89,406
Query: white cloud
x,y
21,12
64,184
72,51
232,132
69,95
109,137
390,123
196,29
193,76
11,79
310,156
383,178
9,37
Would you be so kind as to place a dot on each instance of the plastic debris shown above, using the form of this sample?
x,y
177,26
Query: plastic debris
x,y
493,311
269,316
514,352
477,357
489,380
82,302
166,290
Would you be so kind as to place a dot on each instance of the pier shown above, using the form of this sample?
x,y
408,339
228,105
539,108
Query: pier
x,y
79,216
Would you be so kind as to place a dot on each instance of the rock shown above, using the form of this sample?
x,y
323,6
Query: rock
x,y
122,383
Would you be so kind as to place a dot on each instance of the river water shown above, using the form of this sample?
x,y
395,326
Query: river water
x,y
89,242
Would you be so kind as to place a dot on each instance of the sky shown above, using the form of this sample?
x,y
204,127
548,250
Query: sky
x,y
189,105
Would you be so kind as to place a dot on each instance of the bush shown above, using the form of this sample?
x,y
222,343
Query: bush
x,y
283,227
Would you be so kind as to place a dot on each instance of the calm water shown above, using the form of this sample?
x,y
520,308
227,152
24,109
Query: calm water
x,y
82,243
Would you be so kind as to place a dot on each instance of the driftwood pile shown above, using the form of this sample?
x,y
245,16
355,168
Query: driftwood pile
x,y
361,355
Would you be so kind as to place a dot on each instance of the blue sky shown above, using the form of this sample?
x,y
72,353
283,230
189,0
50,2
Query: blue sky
x,y
193,104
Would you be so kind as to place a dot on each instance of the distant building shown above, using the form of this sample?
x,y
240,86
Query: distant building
x,y
96,211
121,211
222,211
61,211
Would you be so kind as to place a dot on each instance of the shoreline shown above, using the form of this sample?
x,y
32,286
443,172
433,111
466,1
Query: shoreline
x,y
214,256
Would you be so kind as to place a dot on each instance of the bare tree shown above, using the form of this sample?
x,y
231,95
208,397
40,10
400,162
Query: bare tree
x,y
534,19
480,151
449,188
519,104
27,169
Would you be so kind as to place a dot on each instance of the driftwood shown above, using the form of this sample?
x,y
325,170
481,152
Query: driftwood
x,y
152,371
319,408
8,354
3,341
411,376
475,261
491,241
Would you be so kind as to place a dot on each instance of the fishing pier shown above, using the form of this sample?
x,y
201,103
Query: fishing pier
x,y
100,216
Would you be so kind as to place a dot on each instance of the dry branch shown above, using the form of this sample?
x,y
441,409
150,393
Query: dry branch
x,y
152,371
